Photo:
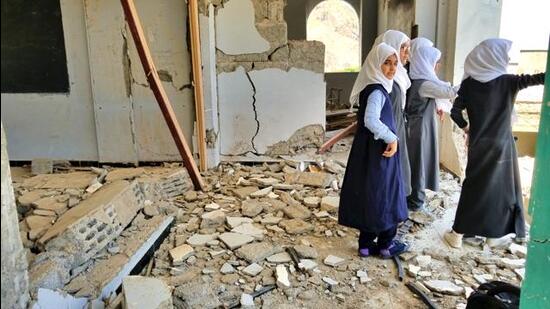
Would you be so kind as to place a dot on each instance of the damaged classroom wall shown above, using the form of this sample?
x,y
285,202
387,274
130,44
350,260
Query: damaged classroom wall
x,y
271,91
109,113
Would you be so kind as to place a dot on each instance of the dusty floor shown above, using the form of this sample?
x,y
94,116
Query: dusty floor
x,y
216,275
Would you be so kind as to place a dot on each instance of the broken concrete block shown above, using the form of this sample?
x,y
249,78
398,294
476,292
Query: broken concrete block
x,y
253,269
165,184
249,229
266,182
38,222
319,180
330,203
306,252
146,292
235,240
124,174
312,201
28,198
88,227
296,226
201,240
413,270
282,276
331,282
512,263
213,219
444,287
181,253
233,222
50,203
279,258
257,252
227,269
244,192
151,210
423,260
297,211
252,208
247,300
211,207
261,193
307,264
77,180
41,166
269,219
333,260
197,295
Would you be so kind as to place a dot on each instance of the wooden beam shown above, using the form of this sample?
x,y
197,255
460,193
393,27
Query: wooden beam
x,y
197,80
345,132
134,23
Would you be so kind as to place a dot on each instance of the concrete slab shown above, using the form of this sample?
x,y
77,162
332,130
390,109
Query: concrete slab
x,y
146,292
236,31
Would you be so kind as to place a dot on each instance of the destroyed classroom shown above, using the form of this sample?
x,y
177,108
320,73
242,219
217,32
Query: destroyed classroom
x,y
170,154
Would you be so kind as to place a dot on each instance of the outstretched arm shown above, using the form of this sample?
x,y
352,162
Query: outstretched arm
x,y
525,80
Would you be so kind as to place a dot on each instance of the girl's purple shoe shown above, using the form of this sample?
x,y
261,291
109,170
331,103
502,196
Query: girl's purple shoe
x,y
395,248
368,251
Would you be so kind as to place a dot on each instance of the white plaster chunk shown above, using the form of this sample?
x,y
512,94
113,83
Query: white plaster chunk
x,y
249,229
330,281
179,254
262,193
247,300
279,258
236,31
297,96
235,240
307,264
253,269
445,287
146,292
236,221
282,276
333,261
200,239
512,263
237,123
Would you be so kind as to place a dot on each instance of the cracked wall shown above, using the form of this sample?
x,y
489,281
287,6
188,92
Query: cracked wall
x,y
268,92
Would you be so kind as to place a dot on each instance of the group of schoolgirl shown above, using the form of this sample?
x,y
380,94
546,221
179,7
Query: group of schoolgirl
x,y
394,157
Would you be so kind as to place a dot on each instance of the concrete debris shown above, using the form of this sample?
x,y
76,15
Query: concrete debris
x,y
282,276
246,300
520,272
512,263
249,229
213,219
146,292
181,253
196,295
331,282
235,240
211,207
413,270
279,258
41,166
124,173
296,226
320,180
262,193
257,252
244,192
227,269
423,260
306,252
233,222
444,287
200,239
253,269
333,261
330,203
312,201
297,212
266,182
307,264
252,208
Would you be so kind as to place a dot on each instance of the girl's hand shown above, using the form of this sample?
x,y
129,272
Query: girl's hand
x,y
391,149
440,114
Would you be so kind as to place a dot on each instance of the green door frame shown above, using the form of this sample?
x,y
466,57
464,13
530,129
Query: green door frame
x,y
535,292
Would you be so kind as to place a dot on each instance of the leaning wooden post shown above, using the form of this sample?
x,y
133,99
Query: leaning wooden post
x,y
197,80
132,19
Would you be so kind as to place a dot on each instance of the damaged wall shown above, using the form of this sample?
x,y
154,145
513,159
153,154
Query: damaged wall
x,y
266,92
15,286
110,113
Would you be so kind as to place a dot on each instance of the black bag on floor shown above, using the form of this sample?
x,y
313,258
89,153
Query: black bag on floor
x,y
494,295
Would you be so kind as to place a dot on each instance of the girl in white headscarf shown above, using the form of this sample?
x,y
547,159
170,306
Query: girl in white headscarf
x,y
372,197
491,203
422,136
400,42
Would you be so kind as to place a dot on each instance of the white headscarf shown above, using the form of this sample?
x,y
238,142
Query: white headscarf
x,y
423,63
395,39
488,60
371,71
417,43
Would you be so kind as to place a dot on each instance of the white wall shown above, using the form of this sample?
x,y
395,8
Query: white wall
x,y
59,126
